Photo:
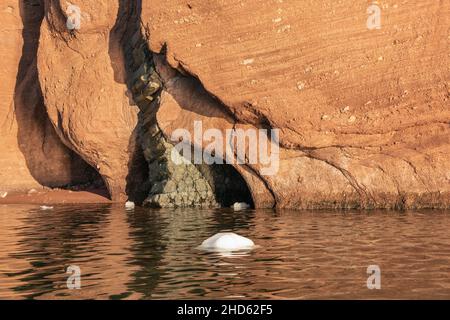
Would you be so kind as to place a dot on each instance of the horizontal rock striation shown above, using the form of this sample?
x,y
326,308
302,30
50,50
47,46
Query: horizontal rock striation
x,y
173,185
363,115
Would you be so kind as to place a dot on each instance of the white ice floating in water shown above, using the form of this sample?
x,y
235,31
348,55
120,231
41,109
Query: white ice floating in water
x,y
227,241
46,208
238,206
129,205
3,194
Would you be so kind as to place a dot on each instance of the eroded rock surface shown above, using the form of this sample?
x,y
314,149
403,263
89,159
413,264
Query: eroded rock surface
x,y
32,155
364,114
83,78
172,184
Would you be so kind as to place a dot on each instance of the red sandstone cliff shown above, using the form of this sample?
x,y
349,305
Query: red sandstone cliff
x,y
363,114
31,153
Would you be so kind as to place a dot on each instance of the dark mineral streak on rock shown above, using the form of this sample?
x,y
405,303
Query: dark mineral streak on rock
x,y
172,185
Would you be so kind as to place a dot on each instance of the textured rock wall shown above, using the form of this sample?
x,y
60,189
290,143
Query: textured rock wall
x,y
172,185
31,153
83,79
364,114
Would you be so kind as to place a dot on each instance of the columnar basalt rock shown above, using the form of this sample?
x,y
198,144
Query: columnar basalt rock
x,y
173,185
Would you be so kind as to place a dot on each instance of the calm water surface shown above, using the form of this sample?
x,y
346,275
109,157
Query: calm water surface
x,y
152,254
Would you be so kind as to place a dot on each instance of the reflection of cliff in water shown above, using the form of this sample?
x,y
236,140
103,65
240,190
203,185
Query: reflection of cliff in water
x,y
50,245
175,232
120,254
149,233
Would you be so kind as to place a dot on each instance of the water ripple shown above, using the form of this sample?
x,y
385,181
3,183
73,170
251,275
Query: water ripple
x,y
152,254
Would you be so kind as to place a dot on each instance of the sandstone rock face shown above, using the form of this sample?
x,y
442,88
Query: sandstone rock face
x,y
32,154
180,98
82,75
172,185
363,114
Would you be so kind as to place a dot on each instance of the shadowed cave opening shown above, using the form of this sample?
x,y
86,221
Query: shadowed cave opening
x,y
167,184
228,185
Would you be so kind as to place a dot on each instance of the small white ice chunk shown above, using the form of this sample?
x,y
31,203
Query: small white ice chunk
x,y
240,206
227,241
3,194
129,205
46,208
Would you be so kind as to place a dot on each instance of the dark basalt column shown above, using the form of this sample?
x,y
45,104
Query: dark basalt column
x,y
171,185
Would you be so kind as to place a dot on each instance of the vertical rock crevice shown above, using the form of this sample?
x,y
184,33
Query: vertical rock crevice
x,y
171,185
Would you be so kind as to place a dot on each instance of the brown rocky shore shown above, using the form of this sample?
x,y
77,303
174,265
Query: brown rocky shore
x,y
363,115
